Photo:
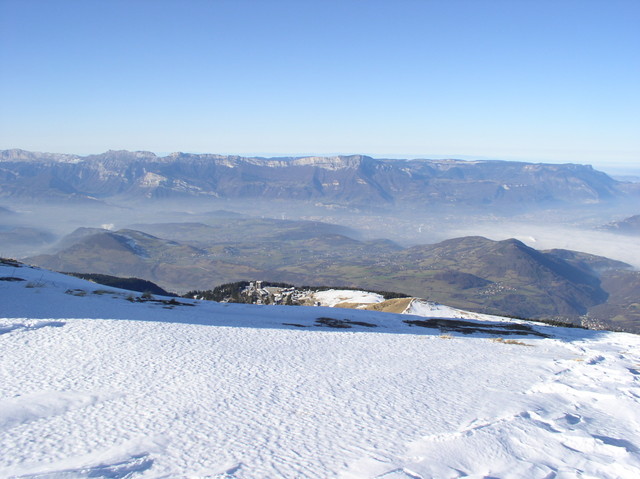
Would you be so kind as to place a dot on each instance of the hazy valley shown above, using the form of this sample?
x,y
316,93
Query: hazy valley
x,y
490,236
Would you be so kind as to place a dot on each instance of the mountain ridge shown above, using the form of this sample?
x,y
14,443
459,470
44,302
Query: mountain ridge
x,y
474,273
356,180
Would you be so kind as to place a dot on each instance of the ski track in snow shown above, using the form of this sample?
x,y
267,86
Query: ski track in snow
x,y
227,391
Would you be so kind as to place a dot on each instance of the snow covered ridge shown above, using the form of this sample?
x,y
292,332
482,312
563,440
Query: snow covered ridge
x,y
99,382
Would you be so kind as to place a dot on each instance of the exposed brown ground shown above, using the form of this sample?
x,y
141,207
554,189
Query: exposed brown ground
x,y
397,305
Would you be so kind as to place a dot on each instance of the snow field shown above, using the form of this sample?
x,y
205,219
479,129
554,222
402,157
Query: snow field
x,y
93,385
336,296
275,403
574,424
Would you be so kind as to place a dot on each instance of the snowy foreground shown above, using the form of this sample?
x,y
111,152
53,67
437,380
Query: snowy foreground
x,y
95,385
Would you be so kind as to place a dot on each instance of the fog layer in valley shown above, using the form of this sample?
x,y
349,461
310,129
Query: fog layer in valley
x,y
32,228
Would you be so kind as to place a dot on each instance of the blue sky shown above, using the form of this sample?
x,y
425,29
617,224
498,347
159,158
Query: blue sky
x,y
533,80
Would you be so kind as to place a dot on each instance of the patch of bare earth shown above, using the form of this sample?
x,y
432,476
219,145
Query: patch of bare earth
x,y
396,305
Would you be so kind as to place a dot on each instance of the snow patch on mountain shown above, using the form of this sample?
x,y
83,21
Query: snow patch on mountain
x,y
151,180
336,296
421,307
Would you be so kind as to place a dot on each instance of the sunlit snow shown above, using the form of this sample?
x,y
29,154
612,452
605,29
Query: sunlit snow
x,y
96,383
337,296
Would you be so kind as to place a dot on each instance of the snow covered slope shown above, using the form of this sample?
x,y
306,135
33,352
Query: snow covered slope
x,y
97,382
337,296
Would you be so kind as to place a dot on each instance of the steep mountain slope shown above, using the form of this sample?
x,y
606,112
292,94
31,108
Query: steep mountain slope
x,y
588,263
623,307
346,180
505,276
167,388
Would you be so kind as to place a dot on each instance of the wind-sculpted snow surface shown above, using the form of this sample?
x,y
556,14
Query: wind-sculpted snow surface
x,y
101,383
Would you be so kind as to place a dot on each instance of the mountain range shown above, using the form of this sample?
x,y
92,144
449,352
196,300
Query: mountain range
x,y
497,277
197,248
355,180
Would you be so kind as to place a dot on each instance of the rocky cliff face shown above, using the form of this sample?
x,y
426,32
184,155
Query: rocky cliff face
x,y
348,180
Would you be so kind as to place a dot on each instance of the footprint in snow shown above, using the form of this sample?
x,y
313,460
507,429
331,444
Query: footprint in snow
x,y
572,419
595,360
228,474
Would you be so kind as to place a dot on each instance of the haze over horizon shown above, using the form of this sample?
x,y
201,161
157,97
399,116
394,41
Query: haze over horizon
x,y
531,81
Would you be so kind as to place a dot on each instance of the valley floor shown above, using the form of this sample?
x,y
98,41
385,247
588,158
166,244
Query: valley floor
x,y
93,385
